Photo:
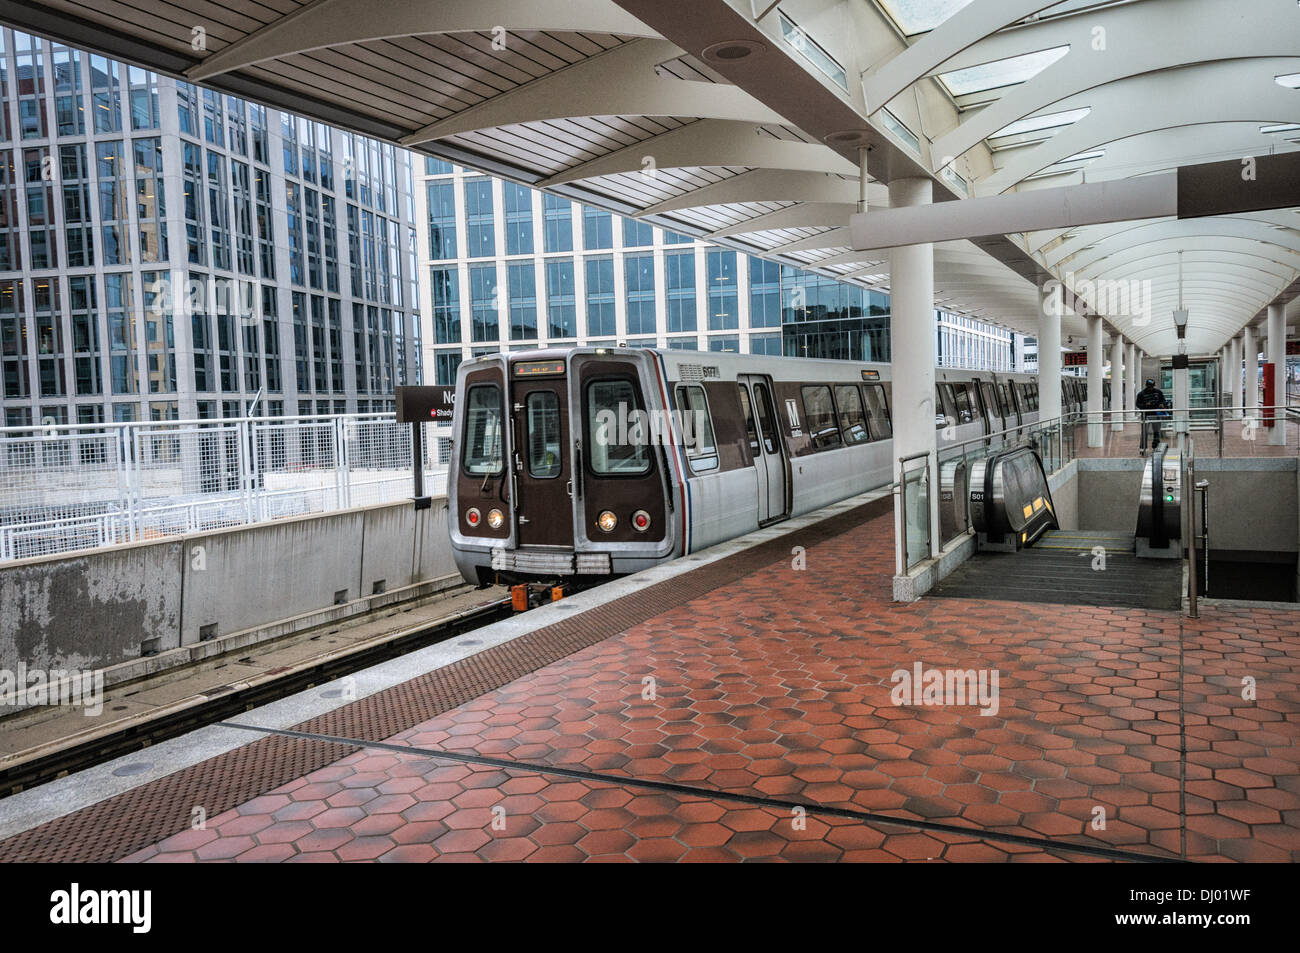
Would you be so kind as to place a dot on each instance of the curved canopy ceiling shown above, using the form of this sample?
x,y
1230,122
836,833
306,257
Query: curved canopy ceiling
x,y
742,120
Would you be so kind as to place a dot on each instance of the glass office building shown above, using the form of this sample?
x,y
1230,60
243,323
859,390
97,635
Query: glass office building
x,y
505,267
167,252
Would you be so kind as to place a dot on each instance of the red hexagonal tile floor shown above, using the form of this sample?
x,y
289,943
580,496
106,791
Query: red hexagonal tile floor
x,y
779,687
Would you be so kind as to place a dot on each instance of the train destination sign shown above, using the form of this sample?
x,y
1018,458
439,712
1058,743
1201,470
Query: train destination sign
x,y
539,368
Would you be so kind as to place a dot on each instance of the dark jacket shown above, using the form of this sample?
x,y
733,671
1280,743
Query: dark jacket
x,y
1150,398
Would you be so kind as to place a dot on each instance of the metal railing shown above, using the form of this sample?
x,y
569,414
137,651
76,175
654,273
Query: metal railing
x,y
913,488
79,486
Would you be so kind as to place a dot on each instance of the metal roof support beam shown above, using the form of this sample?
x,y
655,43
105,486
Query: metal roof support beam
x,y
328,23
1146,197
618,82
709,142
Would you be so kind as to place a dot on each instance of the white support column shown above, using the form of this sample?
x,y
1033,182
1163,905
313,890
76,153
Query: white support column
x,y
1134,376
911,328
1232,380
1096,357
1182,395
1051,300
1117,375
1251,361
1277,357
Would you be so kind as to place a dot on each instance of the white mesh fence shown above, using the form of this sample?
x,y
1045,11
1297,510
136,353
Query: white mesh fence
x,y
71,487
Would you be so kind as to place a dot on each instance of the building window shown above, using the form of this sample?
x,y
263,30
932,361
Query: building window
x,y
639,274
442,220
637,234
764,294
483,303
480,240
523,301
446,304
561,302
601,312
597,229
519,218
679,286
557,213
724,301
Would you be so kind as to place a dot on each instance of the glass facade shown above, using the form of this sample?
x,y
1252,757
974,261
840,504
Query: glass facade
x,y
155,258
531,269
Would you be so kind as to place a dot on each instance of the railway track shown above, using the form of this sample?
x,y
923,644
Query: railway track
x,y
222,703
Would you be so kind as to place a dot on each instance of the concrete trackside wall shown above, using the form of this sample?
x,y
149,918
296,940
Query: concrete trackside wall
x,y
89,610
105,607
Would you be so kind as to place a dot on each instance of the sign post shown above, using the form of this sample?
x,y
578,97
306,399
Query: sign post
x,y
415,405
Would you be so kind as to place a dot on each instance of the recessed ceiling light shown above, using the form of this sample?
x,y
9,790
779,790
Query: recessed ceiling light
x,y
729,51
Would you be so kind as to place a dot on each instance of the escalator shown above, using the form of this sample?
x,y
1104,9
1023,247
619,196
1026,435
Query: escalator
x,y
1023,556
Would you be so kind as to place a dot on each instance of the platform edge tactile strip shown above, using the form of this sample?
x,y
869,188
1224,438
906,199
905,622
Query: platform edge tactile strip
x,y
118,826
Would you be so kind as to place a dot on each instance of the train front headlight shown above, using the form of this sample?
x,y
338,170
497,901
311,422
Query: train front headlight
x,y
495,518
606,521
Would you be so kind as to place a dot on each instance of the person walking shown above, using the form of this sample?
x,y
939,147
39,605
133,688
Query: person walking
x,y
1151,402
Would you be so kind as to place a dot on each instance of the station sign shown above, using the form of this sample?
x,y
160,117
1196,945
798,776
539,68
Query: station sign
x,y
429,402
1074,359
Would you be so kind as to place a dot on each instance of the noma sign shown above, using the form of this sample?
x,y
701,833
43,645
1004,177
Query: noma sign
x,y
436,403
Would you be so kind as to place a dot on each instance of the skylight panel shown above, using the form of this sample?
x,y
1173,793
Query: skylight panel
x,y
999,73
1036,123
1290,80
921,16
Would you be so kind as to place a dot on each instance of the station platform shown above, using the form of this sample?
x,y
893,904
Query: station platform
x,y
734,707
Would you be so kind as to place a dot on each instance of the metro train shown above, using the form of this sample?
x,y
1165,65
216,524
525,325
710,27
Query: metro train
x,y
596,462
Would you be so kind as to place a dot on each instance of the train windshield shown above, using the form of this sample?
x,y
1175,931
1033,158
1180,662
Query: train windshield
x,y
618,428
483,430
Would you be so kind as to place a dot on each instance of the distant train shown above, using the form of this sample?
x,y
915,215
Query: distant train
x,y
590,462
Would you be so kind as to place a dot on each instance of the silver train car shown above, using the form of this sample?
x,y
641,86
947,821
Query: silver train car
x,y
592,462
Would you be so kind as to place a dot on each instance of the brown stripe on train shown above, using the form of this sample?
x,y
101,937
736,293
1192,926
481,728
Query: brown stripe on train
x,y
121,825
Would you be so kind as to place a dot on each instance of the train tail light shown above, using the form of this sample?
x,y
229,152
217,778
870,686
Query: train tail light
x,y
640,521
472,516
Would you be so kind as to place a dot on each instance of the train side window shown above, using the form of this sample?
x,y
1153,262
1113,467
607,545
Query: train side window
x,y
881,426
618,435
697,429
962,399
766,417
819,410
483,454
990,400
542,409
853,420
751,430
975,411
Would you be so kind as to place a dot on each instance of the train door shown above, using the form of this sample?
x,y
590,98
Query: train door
x,y
765,445
991,409
542,468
